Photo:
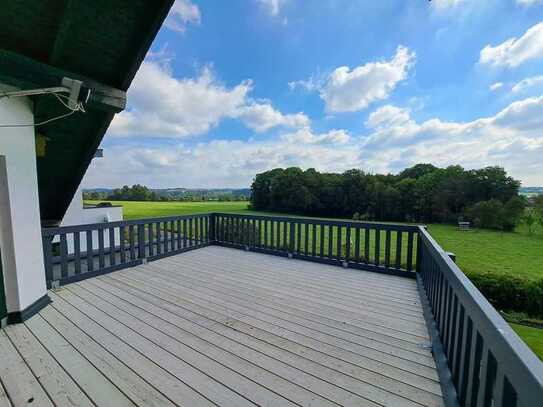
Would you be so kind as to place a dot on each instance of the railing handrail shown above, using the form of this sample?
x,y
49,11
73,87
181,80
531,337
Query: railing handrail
x,y
516,361
325,221
52,231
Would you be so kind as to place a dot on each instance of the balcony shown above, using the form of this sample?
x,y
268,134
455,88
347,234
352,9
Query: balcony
x,y
308,312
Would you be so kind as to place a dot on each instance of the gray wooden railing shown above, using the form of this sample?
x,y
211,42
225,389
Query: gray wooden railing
x,y
481,361
73,253
377,247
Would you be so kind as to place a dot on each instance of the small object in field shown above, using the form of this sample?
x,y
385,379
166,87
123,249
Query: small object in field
x,y
464,226
104,205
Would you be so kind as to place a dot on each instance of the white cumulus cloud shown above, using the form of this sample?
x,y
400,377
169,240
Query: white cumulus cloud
x,y
349,90
182,13
161,105
515,51
262,117
527,83
511,138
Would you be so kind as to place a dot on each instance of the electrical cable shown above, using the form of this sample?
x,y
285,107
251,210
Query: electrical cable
x,y
79,108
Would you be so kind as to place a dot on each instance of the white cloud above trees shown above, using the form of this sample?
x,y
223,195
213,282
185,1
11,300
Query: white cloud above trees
x,y
511,138
350,90
161,105
515,51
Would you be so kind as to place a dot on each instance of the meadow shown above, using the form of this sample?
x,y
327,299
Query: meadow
x,y
478,252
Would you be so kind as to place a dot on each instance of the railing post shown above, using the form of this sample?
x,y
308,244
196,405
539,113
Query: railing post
x,y
141,241
47,257
212,233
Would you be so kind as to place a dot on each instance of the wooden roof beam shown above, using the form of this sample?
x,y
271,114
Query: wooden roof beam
x,y
26,73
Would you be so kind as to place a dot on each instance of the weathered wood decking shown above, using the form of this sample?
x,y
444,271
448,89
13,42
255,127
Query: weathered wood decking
x,y
219,326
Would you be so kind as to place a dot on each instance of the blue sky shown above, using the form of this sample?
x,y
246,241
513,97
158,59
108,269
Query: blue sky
x,y
232,88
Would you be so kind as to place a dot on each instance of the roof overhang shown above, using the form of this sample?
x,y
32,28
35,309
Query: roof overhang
x,y
101,43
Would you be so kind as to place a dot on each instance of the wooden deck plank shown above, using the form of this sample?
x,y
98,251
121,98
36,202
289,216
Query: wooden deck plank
x,y
186,346
220,326
422,356
119,374
175,315
269,322
56,382
221,395
18,380
281,295
219,347
203,384
322,272
219,314
95,385
405,327
302,311
4,400
330,279
248,277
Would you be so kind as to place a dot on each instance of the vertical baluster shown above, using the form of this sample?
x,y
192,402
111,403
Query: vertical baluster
x,y
509,395
266,233
366,244
151,239
452,329
48,257
467,365
90,251
387,248
165,237
272,237
410,251
377,259
202,232
63,255
330,241
306,239
348,243
399,249
321,243
131,241
184,233
190,233
111,246
77,252
122,247
458,347
194,231
314,239
357,244
284,247
172,236
179,235
101,258
339,242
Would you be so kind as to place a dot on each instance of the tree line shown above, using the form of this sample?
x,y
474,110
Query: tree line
x,y
139,192
421,193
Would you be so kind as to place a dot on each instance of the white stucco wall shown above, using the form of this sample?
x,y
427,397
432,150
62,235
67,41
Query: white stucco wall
x,y
77,215
20,227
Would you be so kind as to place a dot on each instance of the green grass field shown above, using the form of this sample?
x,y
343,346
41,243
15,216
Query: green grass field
x,y
477,251
532,336
138,210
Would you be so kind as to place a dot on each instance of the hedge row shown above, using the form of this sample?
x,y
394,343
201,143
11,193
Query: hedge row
x,y
510,293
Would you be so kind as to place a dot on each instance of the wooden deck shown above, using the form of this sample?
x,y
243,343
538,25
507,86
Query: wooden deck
x,y
224,327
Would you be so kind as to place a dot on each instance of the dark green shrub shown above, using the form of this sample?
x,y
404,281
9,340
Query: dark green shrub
x,y
510,293
486,214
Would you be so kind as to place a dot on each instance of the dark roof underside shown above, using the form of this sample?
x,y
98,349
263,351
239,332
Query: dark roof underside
x,y
101,42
